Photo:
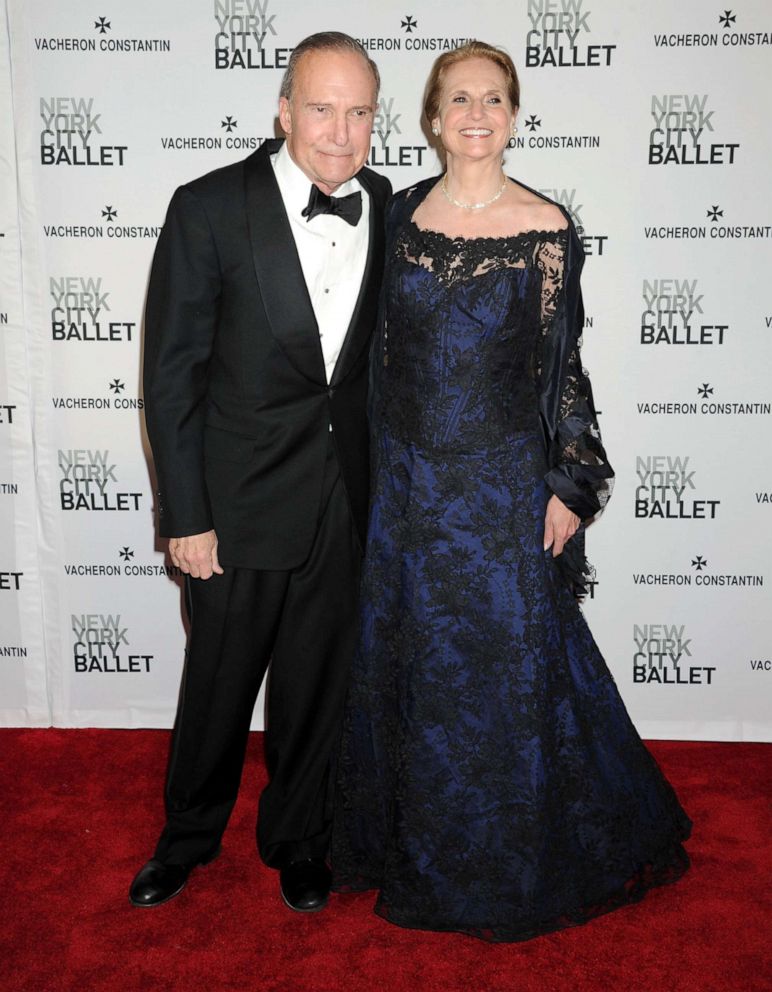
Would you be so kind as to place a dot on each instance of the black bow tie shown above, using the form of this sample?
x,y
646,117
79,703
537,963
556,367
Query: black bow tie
x,y
348,207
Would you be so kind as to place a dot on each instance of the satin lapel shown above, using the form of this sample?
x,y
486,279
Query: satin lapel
x,y
363,318
278,270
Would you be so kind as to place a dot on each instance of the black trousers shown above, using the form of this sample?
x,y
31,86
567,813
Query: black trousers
x,y
304,622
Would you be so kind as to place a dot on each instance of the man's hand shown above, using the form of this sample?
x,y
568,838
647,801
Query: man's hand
x,y
559,525
196,554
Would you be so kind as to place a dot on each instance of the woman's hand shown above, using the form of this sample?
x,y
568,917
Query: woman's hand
x,y
559,525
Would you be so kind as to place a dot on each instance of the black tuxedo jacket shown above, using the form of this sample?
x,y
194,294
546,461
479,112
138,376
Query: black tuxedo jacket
x,y
237,405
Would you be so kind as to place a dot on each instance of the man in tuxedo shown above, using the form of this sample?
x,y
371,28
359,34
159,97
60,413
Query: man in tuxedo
x,y
260,309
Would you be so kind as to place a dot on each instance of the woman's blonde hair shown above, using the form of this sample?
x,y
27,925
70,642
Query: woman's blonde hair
x,y
471,50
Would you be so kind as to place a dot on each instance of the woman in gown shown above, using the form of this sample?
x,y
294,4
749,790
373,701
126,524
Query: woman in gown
x,y
490,780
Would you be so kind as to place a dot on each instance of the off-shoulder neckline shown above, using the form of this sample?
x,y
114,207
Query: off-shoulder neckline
x,y
528,233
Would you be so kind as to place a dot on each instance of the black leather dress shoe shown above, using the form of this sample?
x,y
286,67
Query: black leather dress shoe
x,y
157,882
305,885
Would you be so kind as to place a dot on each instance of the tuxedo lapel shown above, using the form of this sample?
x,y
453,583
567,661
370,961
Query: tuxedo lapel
x,y
278,270
363,318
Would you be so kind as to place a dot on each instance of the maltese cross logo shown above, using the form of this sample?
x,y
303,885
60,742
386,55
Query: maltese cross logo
x,y
102,25
409,23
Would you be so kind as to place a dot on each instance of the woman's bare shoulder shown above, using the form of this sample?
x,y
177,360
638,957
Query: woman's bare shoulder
x,y
542,215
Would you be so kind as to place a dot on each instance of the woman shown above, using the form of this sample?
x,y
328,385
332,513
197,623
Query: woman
x,y
490,780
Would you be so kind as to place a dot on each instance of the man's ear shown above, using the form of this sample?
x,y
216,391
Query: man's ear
x,y
285,115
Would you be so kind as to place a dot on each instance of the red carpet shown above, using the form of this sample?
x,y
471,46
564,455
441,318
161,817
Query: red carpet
x,y
81,810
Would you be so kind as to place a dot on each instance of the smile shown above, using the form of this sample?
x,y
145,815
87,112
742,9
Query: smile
x,y
476,132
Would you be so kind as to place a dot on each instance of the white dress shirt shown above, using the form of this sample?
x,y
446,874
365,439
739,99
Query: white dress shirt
x,y
332,254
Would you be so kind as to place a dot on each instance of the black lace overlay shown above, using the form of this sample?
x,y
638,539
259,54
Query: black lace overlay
x,y
451,390
490,780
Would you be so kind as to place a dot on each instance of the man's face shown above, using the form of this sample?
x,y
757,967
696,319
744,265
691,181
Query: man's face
x,y
329,120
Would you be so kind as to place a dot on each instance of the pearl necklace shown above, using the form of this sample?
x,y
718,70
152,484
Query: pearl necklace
x,y
471,206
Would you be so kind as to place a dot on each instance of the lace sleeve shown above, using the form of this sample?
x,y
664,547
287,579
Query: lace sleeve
x,y
579,472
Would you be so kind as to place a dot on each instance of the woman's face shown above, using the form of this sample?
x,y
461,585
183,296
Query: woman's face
x,y
475,116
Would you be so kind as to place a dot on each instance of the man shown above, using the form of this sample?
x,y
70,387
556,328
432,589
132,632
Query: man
x,y
261,304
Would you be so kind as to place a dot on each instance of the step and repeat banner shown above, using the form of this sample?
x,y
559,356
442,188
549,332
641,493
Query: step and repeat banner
x,y
648,121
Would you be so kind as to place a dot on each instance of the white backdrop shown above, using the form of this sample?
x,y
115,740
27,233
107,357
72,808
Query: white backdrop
x,y
649,121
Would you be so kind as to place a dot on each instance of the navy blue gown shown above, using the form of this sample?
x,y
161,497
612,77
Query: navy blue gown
x,y
490,780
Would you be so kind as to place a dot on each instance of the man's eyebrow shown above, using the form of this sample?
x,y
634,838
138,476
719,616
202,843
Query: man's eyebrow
x,y
369,107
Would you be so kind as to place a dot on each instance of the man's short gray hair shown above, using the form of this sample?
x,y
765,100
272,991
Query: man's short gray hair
x,y
320,42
